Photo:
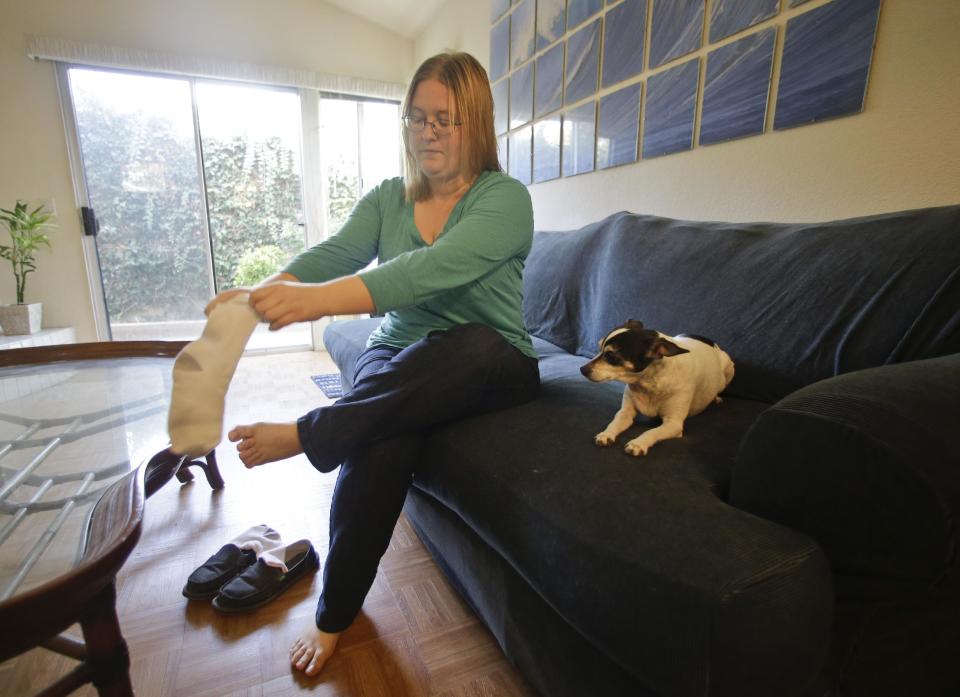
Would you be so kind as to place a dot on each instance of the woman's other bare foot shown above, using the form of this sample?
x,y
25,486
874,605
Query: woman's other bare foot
x,y
265,442
310,652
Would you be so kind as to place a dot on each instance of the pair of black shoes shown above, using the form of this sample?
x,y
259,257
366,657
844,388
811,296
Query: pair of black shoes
x,y
240,579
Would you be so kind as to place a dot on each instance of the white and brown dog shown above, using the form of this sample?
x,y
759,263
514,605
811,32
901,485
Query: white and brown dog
x,y
671,377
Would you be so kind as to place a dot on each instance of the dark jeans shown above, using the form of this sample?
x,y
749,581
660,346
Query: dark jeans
x,y
374,433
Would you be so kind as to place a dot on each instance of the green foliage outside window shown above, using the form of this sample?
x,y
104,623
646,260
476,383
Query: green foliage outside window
x,y
258,264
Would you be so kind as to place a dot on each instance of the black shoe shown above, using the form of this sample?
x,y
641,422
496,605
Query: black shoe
x,y
219,569
261,583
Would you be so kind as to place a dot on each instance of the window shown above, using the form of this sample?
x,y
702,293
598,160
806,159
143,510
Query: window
x,y
361,146
197,187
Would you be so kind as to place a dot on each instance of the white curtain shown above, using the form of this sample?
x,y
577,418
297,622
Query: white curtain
x,y
100,55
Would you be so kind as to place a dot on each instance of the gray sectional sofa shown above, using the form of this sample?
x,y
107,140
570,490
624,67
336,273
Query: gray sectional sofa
x,y
799,540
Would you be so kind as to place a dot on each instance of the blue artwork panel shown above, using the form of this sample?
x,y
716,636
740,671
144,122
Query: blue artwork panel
x,y
579,11
618,127
502,152
546,149
578,137
499,49
497,8
520,143
826,61
671,103
676,31
623,33
551,21
548,82
521,96
736,88
522,32
727,17
583,63
501,106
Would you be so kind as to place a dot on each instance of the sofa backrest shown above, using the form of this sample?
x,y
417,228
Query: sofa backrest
x,y
791,303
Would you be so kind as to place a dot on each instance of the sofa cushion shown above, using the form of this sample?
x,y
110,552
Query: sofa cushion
x,y
790,303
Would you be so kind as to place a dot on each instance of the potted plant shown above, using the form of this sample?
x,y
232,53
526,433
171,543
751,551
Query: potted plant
x,y
28,233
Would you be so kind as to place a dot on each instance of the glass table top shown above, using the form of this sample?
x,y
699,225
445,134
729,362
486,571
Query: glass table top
x,y
68,431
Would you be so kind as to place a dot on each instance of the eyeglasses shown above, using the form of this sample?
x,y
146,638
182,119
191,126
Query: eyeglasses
x,y
441,127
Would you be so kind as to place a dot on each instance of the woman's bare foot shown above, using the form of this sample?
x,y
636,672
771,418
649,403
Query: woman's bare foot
x,y
310,652
265,442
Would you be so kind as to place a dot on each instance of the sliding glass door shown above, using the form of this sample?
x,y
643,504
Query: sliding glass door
x,y
250,140
196,187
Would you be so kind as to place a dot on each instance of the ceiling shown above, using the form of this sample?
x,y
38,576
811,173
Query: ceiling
x,y
408,18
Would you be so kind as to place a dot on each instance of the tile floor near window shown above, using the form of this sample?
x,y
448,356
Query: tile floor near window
x,y
415,636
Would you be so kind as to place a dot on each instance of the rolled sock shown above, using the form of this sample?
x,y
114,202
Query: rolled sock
x,y
201,376
266,542
259,538
280,555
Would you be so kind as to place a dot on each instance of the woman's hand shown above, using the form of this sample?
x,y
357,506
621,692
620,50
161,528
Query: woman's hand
x,y
225,295
284,302
282,299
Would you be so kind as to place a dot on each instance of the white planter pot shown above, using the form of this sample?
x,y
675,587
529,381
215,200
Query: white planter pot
x,y
20,319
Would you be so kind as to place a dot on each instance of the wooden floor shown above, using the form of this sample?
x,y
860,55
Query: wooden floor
x,y
414,637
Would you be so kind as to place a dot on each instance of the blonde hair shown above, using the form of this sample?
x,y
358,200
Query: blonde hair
x,y
469,89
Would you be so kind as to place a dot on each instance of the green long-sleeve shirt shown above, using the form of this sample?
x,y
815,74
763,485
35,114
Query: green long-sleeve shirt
x,y
471,273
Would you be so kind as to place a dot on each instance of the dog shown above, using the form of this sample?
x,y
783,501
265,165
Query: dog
x,y
671,377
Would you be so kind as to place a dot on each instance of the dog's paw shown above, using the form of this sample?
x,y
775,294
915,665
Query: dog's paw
x,y
636,449
603,439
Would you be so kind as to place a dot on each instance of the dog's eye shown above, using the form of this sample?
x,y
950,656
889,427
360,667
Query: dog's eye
x,y
612,359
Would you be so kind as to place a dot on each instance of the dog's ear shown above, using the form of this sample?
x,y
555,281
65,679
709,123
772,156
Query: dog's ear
x,y
633,324
661,348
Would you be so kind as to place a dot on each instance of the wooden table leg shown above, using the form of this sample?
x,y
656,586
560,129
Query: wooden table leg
x,y
107,655
212,471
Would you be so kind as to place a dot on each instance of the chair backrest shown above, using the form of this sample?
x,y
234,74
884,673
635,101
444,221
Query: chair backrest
x,y
89,351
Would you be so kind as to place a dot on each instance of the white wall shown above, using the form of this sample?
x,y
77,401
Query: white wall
x,y
305,34
902,152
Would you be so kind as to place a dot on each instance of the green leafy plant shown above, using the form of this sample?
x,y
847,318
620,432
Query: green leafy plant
x,y
257,264
28,232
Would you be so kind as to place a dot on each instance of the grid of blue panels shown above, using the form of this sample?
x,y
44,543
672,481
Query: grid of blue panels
x,y
581,85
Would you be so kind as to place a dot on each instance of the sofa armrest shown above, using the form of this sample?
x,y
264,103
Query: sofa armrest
x,y
345,340
867,464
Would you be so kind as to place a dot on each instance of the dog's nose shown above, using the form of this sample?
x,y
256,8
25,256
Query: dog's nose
x,y
585,370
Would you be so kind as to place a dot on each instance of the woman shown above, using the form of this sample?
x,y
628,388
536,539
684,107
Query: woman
x,y
451,237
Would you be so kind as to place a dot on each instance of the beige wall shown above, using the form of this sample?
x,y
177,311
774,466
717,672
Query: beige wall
x,y
460,25
902,152
306,34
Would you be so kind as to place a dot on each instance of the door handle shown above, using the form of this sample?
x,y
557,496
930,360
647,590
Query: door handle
x,y
91,226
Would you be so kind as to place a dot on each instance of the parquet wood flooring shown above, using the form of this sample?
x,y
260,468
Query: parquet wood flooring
x,y
414,638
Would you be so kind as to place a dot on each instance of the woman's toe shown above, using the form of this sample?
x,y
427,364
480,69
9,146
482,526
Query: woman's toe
x,y
305,658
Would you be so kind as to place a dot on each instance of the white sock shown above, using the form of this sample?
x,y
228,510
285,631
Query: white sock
x,y
201,376
266,542
259,538
280,555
